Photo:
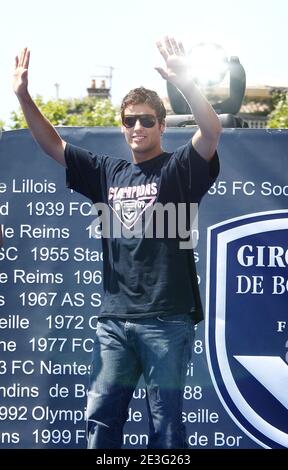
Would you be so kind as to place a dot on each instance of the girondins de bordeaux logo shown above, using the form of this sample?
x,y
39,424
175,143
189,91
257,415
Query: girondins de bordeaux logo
x,y
129,211
247,323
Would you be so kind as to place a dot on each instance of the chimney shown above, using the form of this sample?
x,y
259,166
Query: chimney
x,y
101,82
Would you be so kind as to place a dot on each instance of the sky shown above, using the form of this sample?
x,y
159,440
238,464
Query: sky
x,y
70,39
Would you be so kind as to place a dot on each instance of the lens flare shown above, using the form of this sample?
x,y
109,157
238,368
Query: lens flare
x,y
208,63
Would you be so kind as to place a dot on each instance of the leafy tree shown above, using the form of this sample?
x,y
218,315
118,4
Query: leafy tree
x,y
2,124
278,118
74,112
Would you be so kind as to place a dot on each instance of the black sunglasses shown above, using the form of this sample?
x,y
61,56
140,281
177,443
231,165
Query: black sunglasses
x,y
146,120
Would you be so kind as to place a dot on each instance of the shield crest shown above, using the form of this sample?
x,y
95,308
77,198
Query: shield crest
x,y
247,322
129,211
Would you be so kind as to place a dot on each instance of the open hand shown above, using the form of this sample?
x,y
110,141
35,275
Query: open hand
x,y
176,62
20,80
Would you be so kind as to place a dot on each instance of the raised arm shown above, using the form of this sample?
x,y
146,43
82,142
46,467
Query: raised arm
x,y
206,138
41,129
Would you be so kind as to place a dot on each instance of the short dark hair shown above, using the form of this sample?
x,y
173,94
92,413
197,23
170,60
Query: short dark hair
x,y
143,95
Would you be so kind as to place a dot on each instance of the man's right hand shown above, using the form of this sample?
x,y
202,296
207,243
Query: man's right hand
x,y
20,81
41,129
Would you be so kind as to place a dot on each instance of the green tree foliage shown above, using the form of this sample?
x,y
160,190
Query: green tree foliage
x,y
278,118
2,124
75,112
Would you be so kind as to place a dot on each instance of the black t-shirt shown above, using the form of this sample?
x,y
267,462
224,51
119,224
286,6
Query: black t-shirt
x,y
144,276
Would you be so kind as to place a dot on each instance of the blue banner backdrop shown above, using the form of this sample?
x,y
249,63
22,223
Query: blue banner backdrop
x,y
51,286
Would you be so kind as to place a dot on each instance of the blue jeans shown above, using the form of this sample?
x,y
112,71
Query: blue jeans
x,y
159,348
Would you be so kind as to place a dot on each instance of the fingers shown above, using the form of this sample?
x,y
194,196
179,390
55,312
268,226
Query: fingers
x,y
175,46
162,50
169,46
162,72
22,60
22,54
181,48
27,59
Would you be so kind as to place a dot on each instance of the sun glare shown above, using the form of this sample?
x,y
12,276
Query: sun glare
x,y
208,63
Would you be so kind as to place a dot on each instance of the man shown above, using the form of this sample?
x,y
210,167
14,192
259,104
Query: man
x,y
151,298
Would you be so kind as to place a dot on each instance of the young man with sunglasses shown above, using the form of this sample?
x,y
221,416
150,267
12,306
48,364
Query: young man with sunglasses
x,y
151,298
